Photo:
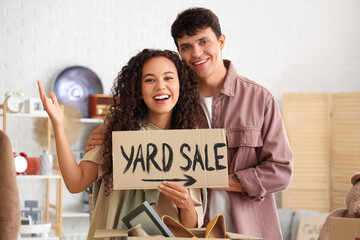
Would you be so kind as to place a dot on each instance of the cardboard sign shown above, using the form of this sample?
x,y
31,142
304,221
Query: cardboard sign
x,y
309,227
344,228
194,158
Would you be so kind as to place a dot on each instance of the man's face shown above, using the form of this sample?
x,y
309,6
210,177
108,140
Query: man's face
x,y
202,52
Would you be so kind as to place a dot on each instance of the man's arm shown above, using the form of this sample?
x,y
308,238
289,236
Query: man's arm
x,y
274,171
96,138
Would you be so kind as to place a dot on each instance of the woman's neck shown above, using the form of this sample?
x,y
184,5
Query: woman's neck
x,y
162,121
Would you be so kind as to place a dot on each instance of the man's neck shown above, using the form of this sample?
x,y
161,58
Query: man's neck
x,y
212,85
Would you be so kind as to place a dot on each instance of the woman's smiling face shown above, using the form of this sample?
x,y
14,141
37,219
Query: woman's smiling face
x,y
160,87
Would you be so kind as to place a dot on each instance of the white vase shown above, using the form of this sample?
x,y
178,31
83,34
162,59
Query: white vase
x,y
46,163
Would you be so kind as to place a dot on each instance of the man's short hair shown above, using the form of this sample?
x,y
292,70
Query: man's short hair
x,y
190,21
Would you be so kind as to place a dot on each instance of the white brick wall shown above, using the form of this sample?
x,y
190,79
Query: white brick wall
x,y
288,46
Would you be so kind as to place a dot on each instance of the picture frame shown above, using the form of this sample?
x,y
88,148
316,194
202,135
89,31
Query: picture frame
x,y
34,106
149,220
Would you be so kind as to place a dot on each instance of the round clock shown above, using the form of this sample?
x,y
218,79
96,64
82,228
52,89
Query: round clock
x,y
14,103
21,164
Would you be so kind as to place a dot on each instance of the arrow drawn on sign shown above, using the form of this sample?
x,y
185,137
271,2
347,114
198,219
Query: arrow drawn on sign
x,y
188,181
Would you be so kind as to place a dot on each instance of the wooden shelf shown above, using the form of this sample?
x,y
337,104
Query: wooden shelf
x,y
44,115
32,177
37,115
40,238
91,120
75,214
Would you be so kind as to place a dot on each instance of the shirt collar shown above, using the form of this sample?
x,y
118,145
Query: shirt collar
x,y
229,83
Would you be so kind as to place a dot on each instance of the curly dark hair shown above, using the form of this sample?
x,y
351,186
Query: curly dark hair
x,y
192,20
129,109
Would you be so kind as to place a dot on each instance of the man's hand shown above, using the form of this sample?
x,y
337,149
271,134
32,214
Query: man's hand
x,y
96,138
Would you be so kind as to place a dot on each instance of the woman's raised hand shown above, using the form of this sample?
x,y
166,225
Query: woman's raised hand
x,y
52,107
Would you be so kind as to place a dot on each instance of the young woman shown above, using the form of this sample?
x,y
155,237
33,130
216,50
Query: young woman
x,y
155,90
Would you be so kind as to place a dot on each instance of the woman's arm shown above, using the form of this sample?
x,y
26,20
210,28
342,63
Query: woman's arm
x,y
180,196
77,177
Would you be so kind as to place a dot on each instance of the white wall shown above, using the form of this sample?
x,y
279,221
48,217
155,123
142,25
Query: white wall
x,y
288,46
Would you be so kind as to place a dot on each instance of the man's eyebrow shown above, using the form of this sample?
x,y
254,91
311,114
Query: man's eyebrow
x,y
198,40
184,44
203,38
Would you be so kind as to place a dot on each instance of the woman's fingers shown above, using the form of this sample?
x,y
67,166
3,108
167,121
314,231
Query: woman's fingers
x,y
174,189
178,194
41,92
53,98
174,186
51,106
45,100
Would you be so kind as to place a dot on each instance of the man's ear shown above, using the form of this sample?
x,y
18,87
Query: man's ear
x,y
222,41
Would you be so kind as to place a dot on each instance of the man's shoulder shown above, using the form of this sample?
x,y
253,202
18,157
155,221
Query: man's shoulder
x,y
242,83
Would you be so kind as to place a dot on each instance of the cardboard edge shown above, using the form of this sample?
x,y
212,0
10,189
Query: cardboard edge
x,y
102,233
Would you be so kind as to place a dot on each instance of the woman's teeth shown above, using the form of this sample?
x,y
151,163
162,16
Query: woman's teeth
x,y
161,97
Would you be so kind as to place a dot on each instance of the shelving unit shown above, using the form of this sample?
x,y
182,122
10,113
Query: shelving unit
x,y
57,226
58,206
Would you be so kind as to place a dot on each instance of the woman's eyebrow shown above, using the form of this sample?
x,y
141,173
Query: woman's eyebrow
x,y
152,75
149,74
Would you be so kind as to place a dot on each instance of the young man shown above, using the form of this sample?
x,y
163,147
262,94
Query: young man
x,y
259,155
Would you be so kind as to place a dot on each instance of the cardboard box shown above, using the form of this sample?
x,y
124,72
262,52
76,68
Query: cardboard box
x,y
309,227
344,228
199,232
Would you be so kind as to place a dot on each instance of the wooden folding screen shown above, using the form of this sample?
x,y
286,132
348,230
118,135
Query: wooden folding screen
x,y
307,122
345,144
324,134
